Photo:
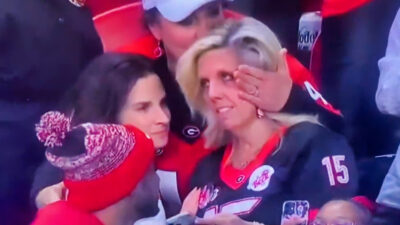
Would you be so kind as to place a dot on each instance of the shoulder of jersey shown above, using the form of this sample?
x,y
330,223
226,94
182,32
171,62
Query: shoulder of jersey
x,y
299,136
302,136
308,130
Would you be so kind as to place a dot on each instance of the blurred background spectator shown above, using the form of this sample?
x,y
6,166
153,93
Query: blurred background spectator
x,y
43,47
388,102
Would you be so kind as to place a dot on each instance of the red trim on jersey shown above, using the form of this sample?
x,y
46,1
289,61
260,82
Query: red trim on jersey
x,y
337,7
235,178
301,76
299,73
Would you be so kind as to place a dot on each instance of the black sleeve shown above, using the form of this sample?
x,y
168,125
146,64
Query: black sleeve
x,y
325,170
46,175
300,101
298,98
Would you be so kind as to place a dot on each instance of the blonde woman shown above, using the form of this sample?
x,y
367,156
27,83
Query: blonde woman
x,y
271,167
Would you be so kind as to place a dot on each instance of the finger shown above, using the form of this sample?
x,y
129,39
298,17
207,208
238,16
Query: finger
x,y
206,221
191,202
252,71
60,185
282,63
246,87
218,219
247,78
259,75
250,98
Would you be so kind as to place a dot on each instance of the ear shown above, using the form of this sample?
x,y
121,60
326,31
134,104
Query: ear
x,y
155,29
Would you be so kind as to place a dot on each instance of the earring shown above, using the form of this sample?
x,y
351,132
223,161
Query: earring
x,y
158,51
260,113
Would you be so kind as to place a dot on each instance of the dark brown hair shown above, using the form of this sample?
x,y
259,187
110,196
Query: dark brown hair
x,y
102,88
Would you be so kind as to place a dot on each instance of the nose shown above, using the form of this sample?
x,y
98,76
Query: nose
x,y
214,91
204,26
162,115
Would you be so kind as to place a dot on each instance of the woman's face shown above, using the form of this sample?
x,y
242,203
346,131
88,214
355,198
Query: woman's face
x,y
220,90
146,109
178,37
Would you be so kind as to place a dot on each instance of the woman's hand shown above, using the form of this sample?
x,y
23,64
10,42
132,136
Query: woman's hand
x,y
224,219
269,91
49,195
191,202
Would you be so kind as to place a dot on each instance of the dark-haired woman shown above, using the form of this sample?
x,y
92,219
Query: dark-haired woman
x,y
123,89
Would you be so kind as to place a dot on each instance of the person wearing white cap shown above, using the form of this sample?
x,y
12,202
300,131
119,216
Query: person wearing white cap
x,y
178,23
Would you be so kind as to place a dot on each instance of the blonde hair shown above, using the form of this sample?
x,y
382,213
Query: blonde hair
x,y
253,40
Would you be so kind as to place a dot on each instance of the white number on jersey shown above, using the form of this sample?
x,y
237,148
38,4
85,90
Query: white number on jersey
x,y
314,93
337,171
238,207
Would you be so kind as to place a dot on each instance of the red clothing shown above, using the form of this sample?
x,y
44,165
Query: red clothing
x,y
337,7
62,213
101,6
181,158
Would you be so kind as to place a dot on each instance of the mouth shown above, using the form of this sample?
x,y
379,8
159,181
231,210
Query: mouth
x,y
222,110
160,132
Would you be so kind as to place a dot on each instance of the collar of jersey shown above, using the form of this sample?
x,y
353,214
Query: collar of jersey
x,y
235,178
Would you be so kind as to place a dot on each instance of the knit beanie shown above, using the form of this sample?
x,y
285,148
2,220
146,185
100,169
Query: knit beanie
x,y
102,163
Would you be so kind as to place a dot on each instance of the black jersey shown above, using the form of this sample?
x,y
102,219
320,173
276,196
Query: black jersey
x,y
298,169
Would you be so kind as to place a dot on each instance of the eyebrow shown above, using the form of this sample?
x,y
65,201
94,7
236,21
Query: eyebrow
x,y
221,72
141,103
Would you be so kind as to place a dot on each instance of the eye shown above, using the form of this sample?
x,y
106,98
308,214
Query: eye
x,y
214,11
227,77
142,106
164,103
188,21
204,83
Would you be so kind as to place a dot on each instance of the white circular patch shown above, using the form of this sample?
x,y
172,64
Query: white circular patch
x,y
191,131
259,179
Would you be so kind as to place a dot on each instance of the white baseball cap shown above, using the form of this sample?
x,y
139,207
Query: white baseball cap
x,y
175,10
